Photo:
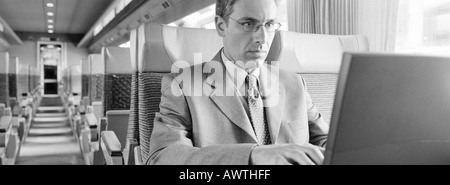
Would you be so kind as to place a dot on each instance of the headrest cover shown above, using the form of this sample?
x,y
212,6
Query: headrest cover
x,y
13,65
97,64
162,45
313,53
117,60
4,62
85,66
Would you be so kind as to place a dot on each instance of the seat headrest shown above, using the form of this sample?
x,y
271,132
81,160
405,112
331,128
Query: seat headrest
x,y
313,53
4,62
13,65
2,109
85,66
24,70
157,46
97,64
117,60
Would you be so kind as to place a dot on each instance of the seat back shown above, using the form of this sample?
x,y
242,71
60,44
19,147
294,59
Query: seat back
x,y
156,48
4,68
85,78
95,67
75,82
12,83
2,109
12,75
97,78
117,91
117,84
23,78
317,58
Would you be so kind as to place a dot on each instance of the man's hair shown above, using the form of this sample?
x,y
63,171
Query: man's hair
x,y
224,8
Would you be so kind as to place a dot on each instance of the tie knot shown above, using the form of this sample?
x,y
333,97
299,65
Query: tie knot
x,y
252,86
252,80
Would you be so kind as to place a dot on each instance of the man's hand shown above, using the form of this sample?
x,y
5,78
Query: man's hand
x,y
289,154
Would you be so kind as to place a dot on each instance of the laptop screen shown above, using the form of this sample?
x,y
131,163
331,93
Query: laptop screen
x,y
391,109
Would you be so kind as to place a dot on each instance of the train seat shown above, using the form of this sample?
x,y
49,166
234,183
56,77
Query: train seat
x,y
12,84
85,80
92,87
9,139
158,47
96,85
117,95
317,58
9,124
97,122
154,49
4,68
14,97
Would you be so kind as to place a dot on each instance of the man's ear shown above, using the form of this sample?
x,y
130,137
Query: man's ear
x,y
220,26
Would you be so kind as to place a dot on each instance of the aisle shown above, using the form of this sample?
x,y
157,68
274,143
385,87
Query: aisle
x,y
51,140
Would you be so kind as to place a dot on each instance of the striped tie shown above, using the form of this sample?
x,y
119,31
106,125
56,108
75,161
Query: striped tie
x,y
257,116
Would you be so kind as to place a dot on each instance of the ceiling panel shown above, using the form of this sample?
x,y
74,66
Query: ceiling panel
x,y
72,16
23,15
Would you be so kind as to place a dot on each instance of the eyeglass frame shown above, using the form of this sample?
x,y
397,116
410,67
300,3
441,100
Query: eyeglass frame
x,y
256,28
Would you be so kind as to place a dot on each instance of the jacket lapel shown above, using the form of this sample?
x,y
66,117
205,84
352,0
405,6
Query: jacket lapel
x,y
225,98
273,97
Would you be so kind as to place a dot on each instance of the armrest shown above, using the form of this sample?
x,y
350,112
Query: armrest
x,y
93,126
138,156
103,124
85,137
111,148
128,152
5,126
9,143
77,124
22,128
15,106
12,149
5,123
2,156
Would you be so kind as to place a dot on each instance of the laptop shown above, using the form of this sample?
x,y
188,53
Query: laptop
x,y
391,109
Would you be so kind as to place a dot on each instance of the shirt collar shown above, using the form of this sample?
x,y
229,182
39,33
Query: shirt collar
x,y
236,73
231,66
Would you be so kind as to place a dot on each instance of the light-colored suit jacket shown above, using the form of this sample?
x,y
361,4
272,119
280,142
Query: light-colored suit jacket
x,y
214,128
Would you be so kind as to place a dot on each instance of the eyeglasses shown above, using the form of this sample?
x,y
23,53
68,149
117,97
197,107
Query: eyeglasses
x,y
254,27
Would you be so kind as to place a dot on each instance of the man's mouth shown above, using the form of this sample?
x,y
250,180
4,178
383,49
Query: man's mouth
x,y
257,51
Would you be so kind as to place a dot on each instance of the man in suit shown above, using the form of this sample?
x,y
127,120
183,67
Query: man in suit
x,y
248,112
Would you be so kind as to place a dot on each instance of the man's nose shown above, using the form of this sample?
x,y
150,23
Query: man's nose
x,y
261,35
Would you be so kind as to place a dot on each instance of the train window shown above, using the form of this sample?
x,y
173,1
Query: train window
x,y
121,5
97,29
423,27
203,18
109,17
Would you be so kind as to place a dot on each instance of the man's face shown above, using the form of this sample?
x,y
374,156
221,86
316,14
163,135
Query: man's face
x,y
249,46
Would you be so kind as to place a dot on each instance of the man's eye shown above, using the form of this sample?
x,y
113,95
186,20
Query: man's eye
x,y
248,24
270,24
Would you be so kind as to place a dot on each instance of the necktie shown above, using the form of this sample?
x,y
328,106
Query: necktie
x,y
257,115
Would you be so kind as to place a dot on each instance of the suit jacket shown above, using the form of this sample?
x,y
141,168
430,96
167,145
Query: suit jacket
x,y
213,128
